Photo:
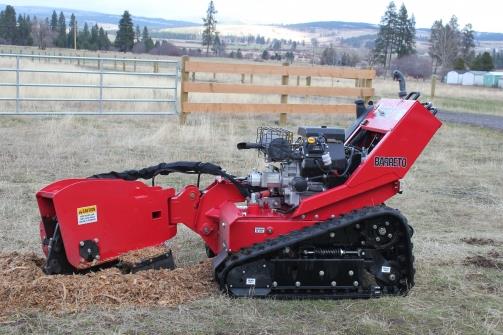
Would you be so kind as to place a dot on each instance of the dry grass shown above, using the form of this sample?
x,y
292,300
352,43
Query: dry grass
x,y
453,192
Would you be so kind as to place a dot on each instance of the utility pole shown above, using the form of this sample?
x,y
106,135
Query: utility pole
x,y
75,35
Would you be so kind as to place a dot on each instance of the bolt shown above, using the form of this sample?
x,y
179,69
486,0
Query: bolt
x,y
286,250
390,235
297,283
82,260
316,216
223,224
274,283
332,235
244,271
322,273
378,239
382,231
264,266
333,283
81,243
89,250
362,242
374,226
96,240
392,277
230,285
97,257
386,223
357,226
351,272
332,216
275,203
192,195
355,283
303,216
267,286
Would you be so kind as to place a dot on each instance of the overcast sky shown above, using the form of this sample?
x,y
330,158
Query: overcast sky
x,y
485,15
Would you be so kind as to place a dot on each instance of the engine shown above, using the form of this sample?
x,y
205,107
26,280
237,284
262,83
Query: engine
x,y
316,161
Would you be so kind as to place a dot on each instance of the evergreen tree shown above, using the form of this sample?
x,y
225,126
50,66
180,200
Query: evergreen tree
x,y
70,39
147,40
210,27
405,40
218,45
265,55
8,29
124,39
328,56
54,21
61,39
483,62
93,40
103,41
23,34
468,44
385,41
84,38
138,33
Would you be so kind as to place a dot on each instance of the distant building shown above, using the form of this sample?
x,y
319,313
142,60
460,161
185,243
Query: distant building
x,y
492,79
453,78
473,78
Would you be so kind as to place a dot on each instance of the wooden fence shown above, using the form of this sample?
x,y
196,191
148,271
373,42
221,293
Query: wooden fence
x,y
362,87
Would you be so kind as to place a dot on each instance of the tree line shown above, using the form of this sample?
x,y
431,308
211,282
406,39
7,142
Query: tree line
x,y
57,31
450,46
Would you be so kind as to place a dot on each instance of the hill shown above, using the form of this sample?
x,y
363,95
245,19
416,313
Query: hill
x,y
100,18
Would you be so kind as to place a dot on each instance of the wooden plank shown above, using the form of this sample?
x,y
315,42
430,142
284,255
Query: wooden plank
x,y
191,107
266,69
192,87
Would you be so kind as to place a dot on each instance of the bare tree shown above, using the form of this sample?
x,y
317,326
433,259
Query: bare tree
x,y
42,35
315,44
445,43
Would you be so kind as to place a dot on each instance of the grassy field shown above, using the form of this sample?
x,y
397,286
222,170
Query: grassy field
x,y
454,191
453,197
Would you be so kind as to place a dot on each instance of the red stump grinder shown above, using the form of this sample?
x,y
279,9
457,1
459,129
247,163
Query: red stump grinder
x,y
312,224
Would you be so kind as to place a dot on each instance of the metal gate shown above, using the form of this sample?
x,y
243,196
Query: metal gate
x,y
72,85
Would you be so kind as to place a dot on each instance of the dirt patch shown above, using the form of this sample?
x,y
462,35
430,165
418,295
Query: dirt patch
x,y
23,286
479,241
483,261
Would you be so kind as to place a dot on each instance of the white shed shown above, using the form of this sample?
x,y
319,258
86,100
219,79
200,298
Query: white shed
x,y
472,78
453,78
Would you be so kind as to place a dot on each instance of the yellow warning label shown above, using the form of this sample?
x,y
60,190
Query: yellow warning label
x,y
88,214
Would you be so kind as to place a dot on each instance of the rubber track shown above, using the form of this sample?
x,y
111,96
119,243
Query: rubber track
x,y
224,262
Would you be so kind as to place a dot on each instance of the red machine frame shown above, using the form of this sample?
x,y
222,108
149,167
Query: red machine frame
x,y
129,215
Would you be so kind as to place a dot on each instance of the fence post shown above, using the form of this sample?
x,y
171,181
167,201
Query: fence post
x,y
368,84
17,84
284,97
184,96
100,67
115,63
123,65
433,85
251,78
242,78
134,65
